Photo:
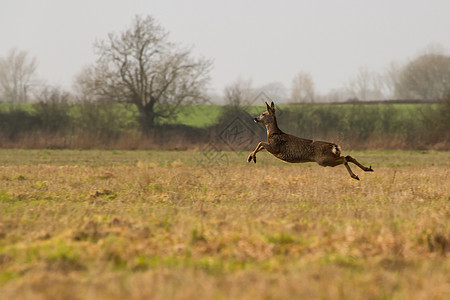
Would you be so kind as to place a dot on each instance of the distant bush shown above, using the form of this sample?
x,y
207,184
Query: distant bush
x,y
354,126
53,117
104,121
235,129
14,122
362,126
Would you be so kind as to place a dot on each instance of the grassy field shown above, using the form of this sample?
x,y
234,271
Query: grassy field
x,y
206,225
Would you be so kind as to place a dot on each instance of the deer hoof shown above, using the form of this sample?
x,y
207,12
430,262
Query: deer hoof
x,y
250,157
355,177
370,169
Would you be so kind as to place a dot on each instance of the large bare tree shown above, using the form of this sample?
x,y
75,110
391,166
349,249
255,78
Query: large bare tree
x,y
141,67
426,77
16,76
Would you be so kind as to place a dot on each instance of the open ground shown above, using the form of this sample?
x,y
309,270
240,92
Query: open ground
x,y
207,225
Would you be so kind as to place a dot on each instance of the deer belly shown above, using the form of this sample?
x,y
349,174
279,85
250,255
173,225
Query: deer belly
x,y
292,158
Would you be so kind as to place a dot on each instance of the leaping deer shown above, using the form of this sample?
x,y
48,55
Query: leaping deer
x,y
293,149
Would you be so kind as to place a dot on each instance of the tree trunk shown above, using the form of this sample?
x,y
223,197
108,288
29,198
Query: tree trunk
x,y
147,117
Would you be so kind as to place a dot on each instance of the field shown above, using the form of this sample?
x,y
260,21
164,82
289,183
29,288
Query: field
x,y
207,225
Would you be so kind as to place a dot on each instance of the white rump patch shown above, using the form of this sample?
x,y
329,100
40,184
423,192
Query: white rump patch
x,y
336,149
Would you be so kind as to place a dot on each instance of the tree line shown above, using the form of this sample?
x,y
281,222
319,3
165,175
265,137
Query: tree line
x,y
52,124
141,67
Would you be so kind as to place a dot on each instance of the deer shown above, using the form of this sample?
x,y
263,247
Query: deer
x,y
292,149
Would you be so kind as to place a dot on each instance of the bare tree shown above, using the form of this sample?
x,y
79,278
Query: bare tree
x,y
366,85
275,91
302,88
335,95
390,80
84,87
16,76
426,77
141,67
53,95
238,93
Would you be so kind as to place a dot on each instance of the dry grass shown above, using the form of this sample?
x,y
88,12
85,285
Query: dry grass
x,y
159,225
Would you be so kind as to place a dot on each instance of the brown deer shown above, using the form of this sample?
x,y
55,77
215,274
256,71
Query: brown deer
x,y
293,149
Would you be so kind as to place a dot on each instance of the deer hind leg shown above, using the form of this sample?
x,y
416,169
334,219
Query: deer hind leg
x,y
352,160
339,161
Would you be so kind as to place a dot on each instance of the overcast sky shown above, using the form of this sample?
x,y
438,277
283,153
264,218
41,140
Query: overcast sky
x,y
265,41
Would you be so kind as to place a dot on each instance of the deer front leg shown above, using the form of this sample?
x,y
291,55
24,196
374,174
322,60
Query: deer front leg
x,y
258,148
352,175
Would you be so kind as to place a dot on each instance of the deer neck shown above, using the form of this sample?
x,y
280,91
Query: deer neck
x,y
272,128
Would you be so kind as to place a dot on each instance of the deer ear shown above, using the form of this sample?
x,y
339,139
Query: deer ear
x,y
267,106
271,109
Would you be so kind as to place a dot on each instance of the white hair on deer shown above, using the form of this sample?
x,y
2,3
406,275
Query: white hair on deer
x,y
336,149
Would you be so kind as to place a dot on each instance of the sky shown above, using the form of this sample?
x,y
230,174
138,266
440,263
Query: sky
x,y
261,41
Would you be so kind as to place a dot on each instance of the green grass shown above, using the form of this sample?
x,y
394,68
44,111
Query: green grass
x,y
205,115
198,115
4,107
104,158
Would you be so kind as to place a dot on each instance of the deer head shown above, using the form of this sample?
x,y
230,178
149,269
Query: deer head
x,y
268,116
